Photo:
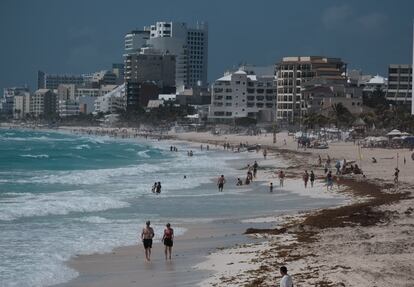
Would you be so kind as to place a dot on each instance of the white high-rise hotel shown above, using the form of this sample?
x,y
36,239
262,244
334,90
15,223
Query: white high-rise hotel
x,y
189,45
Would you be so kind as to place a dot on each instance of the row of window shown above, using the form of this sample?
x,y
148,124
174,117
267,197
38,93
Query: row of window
x,y
400,87
293,66
287,98
400,71
287,90
260,91
306,74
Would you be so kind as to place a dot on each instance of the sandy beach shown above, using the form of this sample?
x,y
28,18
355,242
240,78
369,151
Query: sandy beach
x,y
365,242
324,248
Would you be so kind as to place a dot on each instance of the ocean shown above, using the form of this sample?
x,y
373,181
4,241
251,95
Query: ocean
x,y
64,194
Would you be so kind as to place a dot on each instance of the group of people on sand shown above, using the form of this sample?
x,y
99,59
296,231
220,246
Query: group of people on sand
x,y
147,236
156,188
190,153
173,148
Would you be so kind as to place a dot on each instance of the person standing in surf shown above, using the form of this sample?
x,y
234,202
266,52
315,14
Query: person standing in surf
x,y
158,188
168,238
147,235
220,182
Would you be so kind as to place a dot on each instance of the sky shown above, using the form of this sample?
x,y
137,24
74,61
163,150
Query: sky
x,y
82,36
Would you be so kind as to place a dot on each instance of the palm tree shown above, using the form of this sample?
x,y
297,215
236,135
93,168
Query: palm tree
x,y
341,115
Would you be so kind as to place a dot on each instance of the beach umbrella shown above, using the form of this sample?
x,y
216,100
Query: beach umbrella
x,y
394,133
405,134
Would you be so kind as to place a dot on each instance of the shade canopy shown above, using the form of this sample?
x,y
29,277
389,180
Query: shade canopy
x,y
394,133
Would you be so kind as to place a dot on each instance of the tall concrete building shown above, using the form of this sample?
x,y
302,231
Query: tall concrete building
x,y
21,105
292,73
243,94
43,103
51,82
188,44
399,84
149,67
7,101
135,40
412,88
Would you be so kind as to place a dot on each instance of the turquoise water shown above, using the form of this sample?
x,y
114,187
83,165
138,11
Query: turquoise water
x,y
63,194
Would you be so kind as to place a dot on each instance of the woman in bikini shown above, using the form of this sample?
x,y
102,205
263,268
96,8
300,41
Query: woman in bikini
x,y
168,240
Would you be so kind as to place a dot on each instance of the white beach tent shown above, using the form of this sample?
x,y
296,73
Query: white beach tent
x,y
394,133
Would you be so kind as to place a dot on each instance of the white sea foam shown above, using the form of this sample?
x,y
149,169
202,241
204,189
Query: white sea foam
x,y
91,177
143,153
35,155
82,146
59,203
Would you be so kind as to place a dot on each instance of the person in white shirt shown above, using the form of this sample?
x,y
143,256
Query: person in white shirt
x,y
286,280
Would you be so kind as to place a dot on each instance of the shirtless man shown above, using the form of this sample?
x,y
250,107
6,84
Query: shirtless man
x,y
146,235
220,182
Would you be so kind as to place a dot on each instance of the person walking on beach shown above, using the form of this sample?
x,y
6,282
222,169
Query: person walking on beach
x,y
306,178
329,180
271,187
338,167
312,178
147,235
168,238
396,175
281,178
264,153
220,182
255,166
286,280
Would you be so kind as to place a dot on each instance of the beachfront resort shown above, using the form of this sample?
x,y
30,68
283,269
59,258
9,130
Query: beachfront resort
x,y
171,165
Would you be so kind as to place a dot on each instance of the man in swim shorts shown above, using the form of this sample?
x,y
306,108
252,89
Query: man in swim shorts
x,y
146,235
220,182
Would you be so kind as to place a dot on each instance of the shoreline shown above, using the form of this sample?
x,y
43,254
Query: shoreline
x,y
198,257
377,203
297,241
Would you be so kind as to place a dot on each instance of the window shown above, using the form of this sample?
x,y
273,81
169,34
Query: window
x,y
260,91
219,113
228,114
237,82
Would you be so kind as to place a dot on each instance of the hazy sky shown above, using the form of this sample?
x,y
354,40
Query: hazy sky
x,y
80,36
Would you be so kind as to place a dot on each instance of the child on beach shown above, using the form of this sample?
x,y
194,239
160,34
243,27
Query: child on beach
x,y
239,181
